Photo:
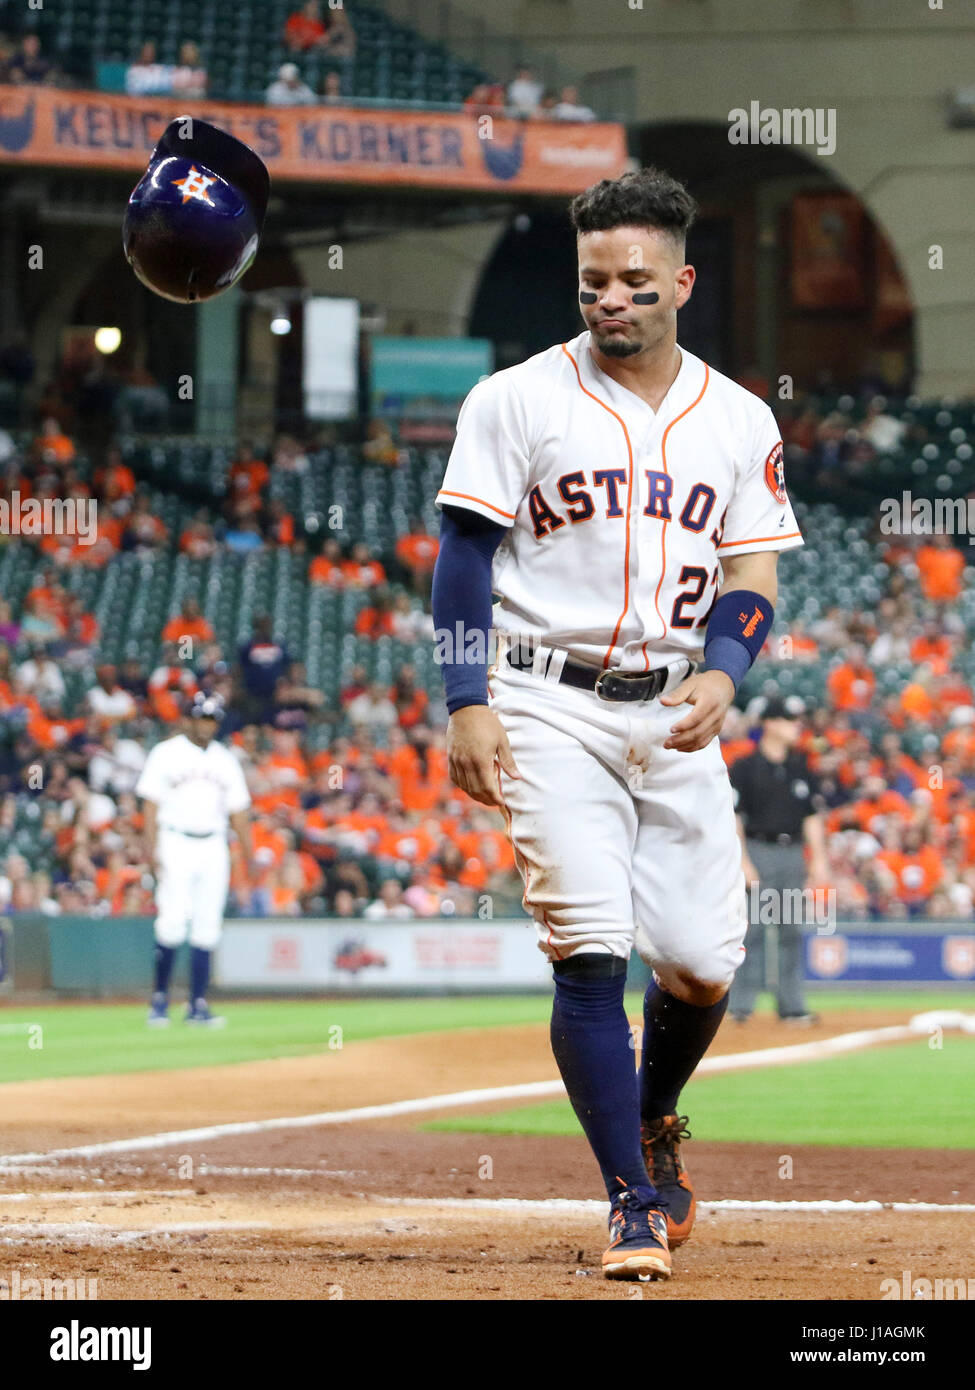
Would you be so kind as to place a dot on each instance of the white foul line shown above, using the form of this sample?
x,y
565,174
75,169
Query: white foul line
x,y
573,1207
531,1090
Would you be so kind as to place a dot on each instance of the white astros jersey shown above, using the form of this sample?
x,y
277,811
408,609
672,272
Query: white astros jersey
x,y
618,516
195,789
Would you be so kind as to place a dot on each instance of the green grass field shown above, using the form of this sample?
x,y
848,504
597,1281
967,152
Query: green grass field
x,y
93,1039
868,1098
907,1095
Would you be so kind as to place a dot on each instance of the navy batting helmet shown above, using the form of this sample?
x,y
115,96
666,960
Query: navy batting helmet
x,y
205,706
194,219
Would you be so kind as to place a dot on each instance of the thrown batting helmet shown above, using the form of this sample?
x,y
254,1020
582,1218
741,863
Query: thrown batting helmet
x,y
193,222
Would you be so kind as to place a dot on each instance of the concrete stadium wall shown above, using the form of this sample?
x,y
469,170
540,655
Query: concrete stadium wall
x,y
886,67
424,278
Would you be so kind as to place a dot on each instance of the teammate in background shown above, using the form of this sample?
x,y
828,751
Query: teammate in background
x,y
626,504
191,787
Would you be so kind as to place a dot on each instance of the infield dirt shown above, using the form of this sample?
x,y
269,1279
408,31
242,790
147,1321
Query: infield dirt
x,y
368,1210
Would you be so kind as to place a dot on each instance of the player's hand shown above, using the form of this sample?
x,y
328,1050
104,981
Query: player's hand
x,y
710,692
749,870
476,746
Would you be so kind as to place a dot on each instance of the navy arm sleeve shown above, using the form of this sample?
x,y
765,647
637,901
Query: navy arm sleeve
x,y
462,603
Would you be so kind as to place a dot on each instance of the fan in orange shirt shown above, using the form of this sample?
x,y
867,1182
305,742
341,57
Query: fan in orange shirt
x,y
946,797
326,568
941,566
280,526
932,646
50,598
797,645
417,551
376,619
115,478
410,701
361,570
265,834
950,693
917,868
402,840
959,742
52,445
170,685
247,475
281,773
851,685
197,540
189,623
287,887
877,805
917,702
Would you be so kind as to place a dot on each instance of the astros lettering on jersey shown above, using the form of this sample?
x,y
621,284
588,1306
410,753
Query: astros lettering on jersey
x,y
616,512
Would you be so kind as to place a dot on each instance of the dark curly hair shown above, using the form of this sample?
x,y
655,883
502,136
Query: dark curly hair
x,y
645,198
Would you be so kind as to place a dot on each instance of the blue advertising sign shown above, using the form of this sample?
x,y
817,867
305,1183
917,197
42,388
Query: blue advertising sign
x,y
939,957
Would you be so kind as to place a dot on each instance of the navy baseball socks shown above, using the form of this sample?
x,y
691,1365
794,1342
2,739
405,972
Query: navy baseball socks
x,y
163,959
197,1010
592,1044
676,1036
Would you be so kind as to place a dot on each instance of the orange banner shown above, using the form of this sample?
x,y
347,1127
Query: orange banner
x,y
92,130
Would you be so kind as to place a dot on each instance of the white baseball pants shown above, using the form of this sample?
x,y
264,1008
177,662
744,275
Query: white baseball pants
x,y
191,889
620,841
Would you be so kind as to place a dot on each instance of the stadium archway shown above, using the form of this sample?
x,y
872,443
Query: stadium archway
x,y
795,276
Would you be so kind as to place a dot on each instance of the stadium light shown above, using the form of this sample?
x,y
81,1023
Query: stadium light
x,y
280,325
107,340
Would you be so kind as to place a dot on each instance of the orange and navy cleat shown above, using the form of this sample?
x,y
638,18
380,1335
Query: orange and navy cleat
x,y
638,1237
660,1140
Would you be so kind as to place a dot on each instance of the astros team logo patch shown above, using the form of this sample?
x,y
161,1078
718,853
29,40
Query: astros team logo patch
x,y
828,955
958,956
775,474
195,185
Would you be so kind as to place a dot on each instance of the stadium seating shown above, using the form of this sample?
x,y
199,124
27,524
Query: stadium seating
x,y
241,46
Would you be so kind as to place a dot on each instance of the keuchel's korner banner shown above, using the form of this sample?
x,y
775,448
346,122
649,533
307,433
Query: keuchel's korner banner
x,y
94,130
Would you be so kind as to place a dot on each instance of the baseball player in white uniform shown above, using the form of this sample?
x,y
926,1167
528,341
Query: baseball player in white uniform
x,y
191,787
626,504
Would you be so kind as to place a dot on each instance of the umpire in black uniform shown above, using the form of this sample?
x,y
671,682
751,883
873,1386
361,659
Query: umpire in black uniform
x,y
776,804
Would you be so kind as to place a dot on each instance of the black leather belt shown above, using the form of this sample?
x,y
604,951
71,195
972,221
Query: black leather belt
x,y
608,685
770,839
192,834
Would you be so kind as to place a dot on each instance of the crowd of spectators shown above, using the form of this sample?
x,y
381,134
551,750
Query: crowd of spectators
x,y
837,447
354,813
23,63
896,771
527,98
311,29
353,810
185,78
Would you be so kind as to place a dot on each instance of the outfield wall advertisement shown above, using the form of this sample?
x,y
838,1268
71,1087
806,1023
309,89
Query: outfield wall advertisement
x,y
881,956
355,955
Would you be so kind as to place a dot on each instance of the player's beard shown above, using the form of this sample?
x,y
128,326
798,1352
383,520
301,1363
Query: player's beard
x,y
617,345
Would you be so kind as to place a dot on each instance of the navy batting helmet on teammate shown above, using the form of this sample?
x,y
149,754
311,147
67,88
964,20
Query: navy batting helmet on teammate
x,y
204,706
193,222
